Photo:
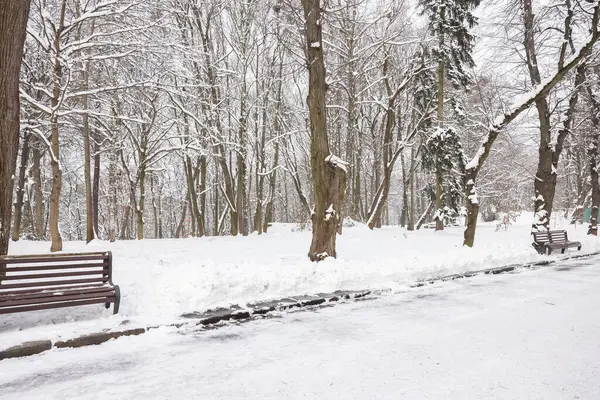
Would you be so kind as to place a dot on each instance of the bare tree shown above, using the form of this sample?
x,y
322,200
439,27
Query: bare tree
x,y
328,171
540,91
13,27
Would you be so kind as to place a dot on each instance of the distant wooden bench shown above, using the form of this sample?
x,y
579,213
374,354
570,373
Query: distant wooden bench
x,y
40,282
545,242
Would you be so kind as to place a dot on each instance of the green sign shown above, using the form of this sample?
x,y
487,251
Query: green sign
x,y
587,214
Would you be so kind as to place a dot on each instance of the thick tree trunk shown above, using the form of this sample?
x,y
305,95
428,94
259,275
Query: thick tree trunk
x,y
328,174
472,207
13,24
21,187
593,151
544,186
549,152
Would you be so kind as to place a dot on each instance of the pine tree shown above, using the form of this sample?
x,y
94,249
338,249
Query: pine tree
x,y
450,22
443,153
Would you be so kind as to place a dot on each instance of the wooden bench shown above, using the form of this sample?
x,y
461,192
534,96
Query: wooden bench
x,y
547,241
40,282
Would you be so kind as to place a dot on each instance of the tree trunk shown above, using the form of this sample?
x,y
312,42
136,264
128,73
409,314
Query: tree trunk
x,y
112,198
269,208
472,207
87,173
13,25
439,205
21,187
142,202
423,216
240,202
202,216
190,173
96,186
179,230
593,162
38,196
272,184
593,150
439,222
328,174
411,214
124,234
53,220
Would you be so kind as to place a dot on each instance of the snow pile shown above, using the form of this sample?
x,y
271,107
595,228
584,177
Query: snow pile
x,y
161,279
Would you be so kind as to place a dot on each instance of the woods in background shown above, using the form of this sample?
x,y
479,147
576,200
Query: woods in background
x,y
157,119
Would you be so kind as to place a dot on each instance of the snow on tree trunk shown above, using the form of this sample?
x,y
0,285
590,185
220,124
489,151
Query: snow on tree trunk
x,y
472,208
593,163
593,150
328,172
13,24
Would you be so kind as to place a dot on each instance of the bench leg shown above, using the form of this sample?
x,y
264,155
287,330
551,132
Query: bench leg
x,y
117,300
579,248
562,251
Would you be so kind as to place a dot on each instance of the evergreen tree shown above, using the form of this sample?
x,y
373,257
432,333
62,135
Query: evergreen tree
x,y
450,21
443,153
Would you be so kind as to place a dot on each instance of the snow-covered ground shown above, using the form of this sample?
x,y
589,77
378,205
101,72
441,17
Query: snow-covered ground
x,y
161,279
530,335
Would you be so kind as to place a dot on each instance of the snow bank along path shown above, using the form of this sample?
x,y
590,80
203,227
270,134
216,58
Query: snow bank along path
x,y
161,279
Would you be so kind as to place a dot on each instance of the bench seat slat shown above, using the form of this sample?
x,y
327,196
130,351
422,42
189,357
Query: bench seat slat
x,y
56,275
569,244
53,283
57,299
27,268
6,296
55,305
51,259
52,288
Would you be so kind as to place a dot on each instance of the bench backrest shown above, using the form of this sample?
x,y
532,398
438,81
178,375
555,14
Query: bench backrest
x,y
550,236
55,270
